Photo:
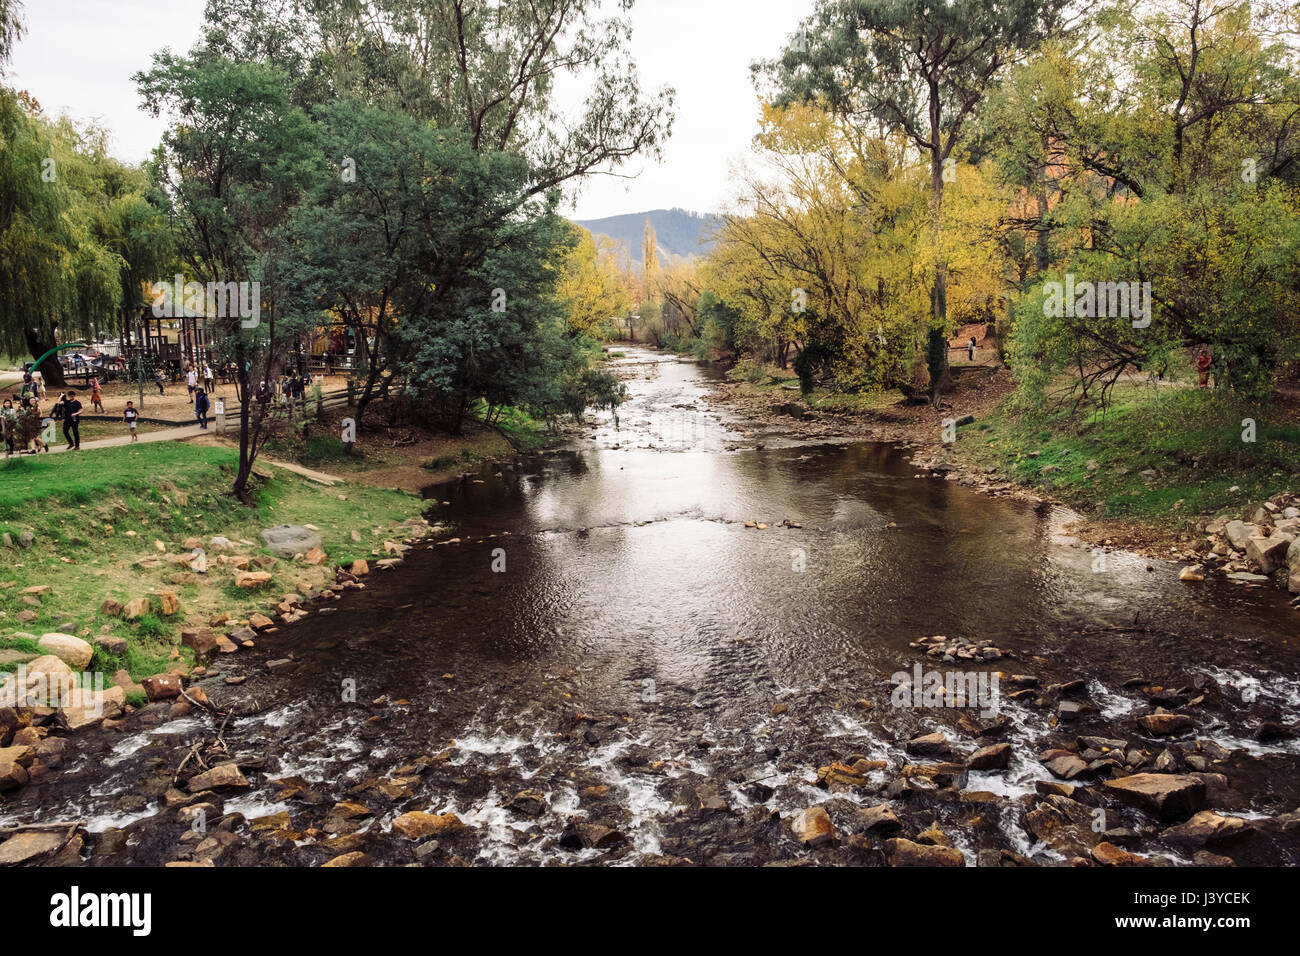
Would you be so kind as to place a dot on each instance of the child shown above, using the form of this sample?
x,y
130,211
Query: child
x,y
130,416
96,397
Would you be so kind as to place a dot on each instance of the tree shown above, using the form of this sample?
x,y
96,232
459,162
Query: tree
x,y
236,157
589,285
649,259
1174,173
57,277
490,70
11,28
917,68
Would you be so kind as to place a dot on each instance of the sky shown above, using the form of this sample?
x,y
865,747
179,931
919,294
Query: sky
x,y
77,57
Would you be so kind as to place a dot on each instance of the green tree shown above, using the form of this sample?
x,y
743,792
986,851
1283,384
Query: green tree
x,y
236,158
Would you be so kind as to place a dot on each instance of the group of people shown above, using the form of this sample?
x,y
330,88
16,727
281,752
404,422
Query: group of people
x,y
292,387
25,426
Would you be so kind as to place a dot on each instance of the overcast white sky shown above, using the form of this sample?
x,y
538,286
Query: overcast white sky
x,y
78,56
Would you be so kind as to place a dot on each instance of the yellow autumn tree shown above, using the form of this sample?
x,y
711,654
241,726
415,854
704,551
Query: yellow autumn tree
x,y
590,286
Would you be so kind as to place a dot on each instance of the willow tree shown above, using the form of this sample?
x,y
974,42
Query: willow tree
x,y
916,68
58,280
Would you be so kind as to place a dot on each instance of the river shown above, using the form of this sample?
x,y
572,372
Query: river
x,y
609,636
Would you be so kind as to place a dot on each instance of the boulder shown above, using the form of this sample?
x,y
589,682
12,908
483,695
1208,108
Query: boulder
x,y
1268,554
1107,854
1063,764
111,644
202,640
73,651
1169,796
167,603
91,707
878,819
529,803
996,757
1238,533
930,745
1208,828
1165,724
360,568
222,775
162,686
906,853
28,846
417,824
14,762
589,836
288,540
252,579
136,608
813,828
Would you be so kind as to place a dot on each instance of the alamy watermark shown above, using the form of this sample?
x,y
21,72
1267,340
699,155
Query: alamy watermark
x,y
960,689
41,689
217,300
1091,300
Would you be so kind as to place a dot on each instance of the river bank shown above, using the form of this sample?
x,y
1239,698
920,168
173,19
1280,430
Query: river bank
x,y
1161,475
666,645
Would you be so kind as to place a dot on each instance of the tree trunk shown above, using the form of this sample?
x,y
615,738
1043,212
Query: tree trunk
x,y
937,343
51,371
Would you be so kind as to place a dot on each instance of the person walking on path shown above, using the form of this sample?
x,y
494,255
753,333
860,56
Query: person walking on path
x,y
201,407
96,396
191,380
131,416
72,420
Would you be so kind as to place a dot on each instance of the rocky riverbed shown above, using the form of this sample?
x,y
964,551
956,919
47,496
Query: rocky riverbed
x,y
699,651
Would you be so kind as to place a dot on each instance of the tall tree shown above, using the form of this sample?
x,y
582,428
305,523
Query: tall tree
x,y
917,68
235,159
490,69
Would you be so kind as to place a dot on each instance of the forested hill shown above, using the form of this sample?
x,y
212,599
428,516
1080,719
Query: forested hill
x,y
680,233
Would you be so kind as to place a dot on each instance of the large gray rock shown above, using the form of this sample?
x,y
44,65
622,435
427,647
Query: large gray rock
x,y
1239,533
290,539
1268,553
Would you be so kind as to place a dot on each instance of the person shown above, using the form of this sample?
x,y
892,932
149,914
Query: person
x,y
56,413
131,416
158,380
971,348
209,382
191,380
72,420
1204,362
9,425
30,424
96,396
201,407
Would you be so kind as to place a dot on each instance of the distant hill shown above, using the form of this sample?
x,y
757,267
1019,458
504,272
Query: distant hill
x,y
681,234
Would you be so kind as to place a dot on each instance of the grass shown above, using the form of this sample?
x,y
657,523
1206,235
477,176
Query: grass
x,y
96,515
1192,439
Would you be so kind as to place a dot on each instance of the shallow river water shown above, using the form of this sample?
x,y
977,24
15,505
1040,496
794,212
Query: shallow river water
x,y
609,621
